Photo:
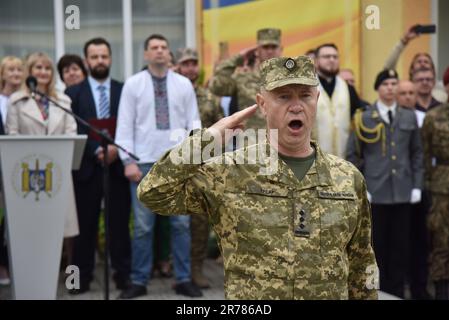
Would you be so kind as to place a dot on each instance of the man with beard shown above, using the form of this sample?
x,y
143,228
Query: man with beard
x,y
97,97
338,102
210,112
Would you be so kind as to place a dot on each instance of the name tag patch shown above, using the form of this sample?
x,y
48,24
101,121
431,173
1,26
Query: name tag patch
x,y
336,195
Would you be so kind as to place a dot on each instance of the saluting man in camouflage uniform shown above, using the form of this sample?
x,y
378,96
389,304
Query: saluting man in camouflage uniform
x,y
245,84
435,137
210,112
299,231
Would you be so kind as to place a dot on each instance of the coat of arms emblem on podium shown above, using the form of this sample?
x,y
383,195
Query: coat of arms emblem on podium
x,y
37,180
37,175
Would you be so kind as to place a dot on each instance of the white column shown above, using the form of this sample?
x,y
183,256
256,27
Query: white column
x,y
58,12
58,15
190,22
127,38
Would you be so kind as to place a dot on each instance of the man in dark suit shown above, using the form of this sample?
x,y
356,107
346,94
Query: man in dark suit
x,y
386,147
97,97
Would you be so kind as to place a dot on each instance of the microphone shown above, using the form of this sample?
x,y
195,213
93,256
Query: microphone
x,y
31,83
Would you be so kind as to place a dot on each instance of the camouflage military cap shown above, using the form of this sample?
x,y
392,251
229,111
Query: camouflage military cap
x,y
279,72
269,36
185,54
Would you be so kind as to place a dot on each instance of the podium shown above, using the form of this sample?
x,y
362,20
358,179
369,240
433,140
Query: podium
x,y
36,176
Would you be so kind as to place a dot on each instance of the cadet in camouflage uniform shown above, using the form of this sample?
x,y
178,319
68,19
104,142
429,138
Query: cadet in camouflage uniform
x,y
302,231
435,137
245,83
210,112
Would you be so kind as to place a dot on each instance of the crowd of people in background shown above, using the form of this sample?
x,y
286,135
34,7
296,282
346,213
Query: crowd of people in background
x,y
382,138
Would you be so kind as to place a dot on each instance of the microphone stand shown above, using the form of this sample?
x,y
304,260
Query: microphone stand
x,y
105,141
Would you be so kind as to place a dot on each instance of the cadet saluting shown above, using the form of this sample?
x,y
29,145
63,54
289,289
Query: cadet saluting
x,y
300,232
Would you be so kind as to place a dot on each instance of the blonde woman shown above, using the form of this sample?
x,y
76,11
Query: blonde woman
x,y
11,79
28,116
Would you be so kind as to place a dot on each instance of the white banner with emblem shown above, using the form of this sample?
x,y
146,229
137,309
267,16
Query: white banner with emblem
x,y
36,178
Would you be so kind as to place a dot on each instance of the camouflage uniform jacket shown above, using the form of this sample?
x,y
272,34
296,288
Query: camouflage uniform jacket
x,y
280,238
435,138
209,107
245,85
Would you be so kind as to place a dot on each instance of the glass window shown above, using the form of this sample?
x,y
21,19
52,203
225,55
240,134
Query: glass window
x,y
98,19
26,26
155,16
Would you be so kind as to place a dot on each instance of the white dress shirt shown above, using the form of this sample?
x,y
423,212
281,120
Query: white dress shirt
x,y
383,110
136,121
420,115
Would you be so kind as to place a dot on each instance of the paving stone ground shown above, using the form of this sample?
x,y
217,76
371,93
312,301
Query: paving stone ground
x,y
158,288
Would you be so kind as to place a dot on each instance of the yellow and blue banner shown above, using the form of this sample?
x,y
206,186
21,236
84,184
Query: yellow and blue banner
x,y
305,24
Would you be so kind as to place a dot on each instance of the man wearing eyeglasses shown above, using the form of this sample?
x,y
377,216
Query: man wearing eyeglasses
x,y
336,105
424,81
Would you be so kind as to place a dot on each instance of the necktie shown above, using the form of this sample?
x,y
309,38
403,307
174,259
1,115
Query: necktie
x,y
390,117
104,103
